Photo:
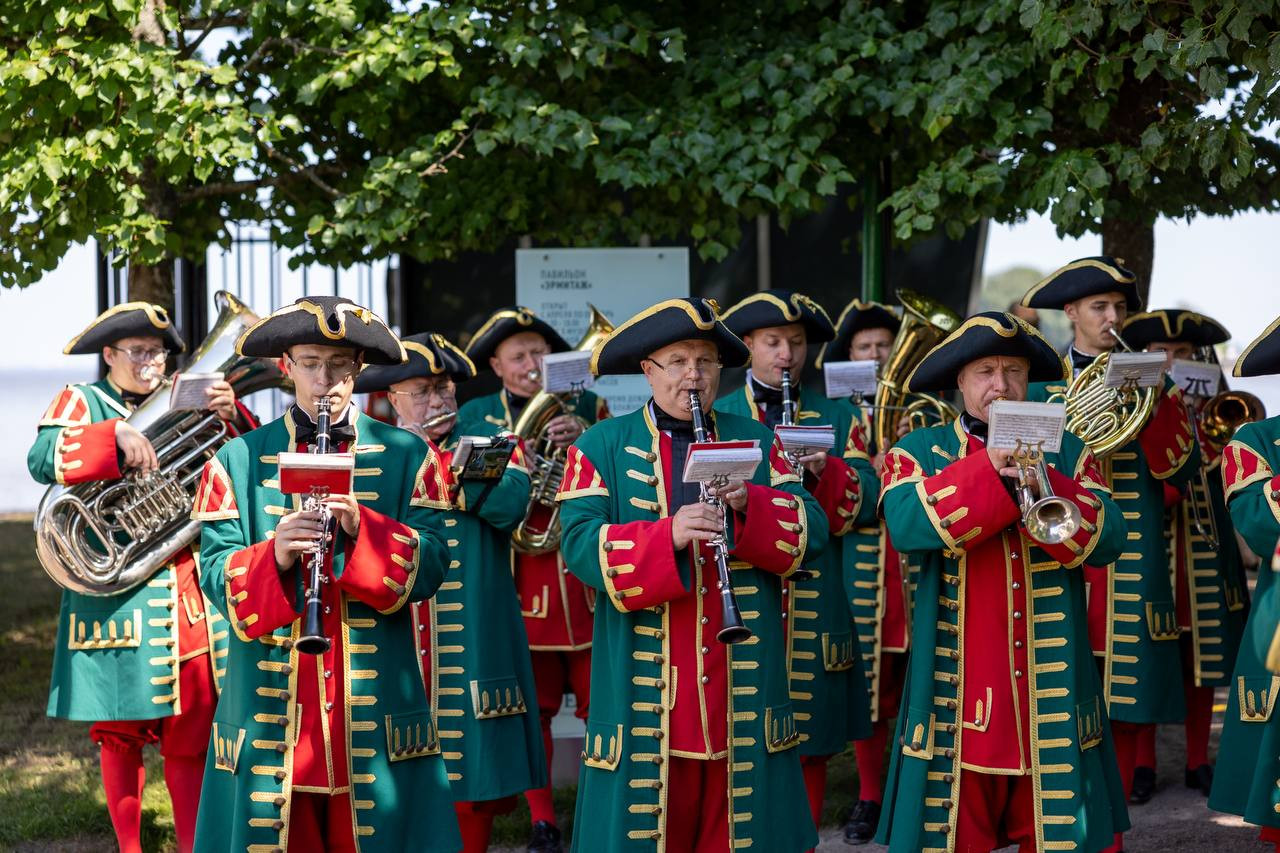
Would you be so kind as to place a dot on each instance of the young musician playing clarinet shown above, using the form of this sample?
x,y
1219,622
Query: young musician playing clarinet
x,y
334,748
690,742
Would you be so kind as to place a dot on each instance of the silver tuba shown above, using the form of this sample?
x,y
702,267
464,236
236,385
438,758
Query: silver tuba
x,y
105,538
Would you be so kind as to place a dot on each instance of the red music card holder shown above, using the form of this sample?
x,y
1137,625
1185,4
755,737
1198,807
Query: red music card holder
x,y
300,473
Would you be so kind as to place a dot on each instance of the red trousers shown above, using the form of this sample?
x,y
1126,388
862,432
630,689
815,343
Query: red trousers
x,y
995,811
553,673
320,823
475,820
698,806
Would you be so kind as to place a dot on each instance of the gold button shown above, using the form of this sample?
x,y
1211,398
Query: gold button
x,y
945,523
608,546
613,573
932,500
706,679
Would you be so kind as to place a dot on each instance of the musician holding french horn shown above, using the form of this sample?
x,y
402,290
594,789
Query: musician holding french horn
x,y
690,741
1003,737
135,654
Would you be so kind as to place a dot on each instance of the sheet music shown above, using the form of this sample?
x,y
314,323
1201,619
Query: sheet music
x,y
846,379
1196,378
722,460
804,440
566,372
1031,423
1142,369
189,389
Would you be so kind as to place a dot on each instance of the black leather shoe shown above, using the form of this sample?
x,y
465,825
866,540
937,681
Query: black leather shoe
x,y
1201,777
1144,785
861,827
545,838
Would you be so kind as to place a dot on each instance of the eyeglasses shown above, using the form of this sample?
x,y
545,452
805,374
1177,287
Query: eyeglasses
x,y
340,366
679,366
142,356
439,390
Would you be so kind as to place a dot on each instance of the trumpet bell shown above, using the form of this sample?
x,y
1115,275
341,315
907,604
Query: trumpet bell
x,y
1052,520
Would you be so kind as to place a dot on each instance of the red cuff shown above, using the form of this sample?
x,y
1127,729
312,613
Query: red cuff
x,y
256,595
86,453
382,564
967,501
839,494
1074,551
243,421
771,534
638,564
1172,494
1167,439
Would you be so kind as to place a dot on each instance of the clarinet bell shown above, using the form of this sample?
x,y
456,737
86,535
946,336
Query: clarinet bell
x,y
733,634
312,644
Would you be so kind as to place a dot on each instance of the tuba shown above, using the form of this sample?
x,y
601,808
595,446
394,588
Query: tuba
x,y
105,538
1105,418
925,322
539,532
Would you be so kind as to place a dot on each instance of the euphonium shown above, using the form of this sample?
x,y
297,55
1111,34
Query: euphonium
x,y
1224,413
104,538
925,322
539,532
1105,418
1048,518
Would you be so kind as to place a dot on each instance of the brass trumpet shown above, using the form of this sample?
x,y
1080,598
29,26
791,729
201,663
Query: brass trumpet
x,y
1224,413
1048,518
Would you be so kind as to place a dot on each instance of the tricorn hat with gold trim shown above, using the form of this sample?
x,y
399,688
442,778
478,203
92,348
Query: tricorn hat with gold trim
x,y
855,317
325,321
1082,278
668,322
1262,357
430,354
771,308
990,333
507,322
1173,324
126,320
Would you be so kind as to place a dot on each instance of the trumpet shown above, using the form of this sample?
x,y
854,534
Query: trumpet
x,y
1048,518
734,630
437,420
312,640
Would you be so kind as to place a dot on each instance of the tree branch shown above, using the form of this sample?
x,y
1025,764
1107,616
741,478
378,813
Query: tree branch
x,y
438,167
213,24
226,19
304,171
296,44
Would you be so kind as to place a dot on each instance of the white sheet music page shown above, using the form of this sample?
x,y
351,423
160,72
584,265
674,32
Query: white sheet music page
x,y
1196,378
1014,421
1142,369
846,379
804,440
189,389
722,460
566,372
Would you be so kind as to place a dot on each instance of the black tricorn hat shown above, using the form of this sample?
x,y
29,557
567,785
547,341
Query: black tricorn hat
x,y
326,321
505,323
855,317
670,321
430,354
779,308
1081,278
981,336
126,320
1173,324
1262,357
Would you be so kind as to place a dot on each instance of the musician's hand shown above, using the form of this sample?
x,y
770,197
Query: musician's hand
x,y
694,522
296,534
136,447
904,425
222,399
1002,461
734,493
564,430
814,462
877,462
347,511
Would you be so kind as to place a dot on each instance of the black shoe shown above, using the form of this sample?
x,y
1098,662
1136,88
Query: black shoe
x,y
1201,777
545,838
861,826
1144,785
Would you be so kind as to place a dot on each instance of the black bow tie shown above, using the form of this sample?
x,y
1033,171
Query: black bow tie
x,y
515,405
973,426
1080,360
770,399
132,399
675,426
305,429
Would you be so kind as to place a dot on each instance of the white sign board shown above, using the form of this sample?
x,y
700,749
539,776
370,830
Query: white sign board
x,y
558,284
1196,378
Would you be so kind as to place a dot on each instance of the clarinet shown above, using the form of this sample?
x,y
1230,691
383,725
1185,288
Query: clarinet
x,y
789,419
734,630
313,641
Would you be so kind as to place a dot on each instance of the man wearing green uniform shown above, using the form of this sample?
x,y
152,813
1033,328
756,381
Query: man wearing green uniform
x,y
1133,622
690,742
470,637
336,750
1003,736
141,664
824,658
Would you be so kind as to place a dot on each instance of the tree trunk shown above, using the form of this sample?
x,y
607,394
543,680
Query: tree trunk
x,y
152,284
1133,245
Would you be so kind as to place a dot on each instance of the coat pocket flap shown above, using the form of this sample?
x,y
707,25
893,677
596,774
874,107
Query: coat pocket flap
x,y
602,748
497,697
91,630
917,734
781,731
1257,697
1162,620
839,651
1089,723
227,741
411,735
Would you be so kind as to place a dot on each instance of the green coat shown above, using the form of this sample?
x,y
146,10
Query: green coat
x,y
130,670
828,689
399,788
1249,752
617,540
957,522
484,695
1137,614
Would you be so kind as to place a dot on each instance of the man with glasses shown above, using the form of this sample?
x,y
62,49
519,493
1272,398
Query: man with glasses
x,y
470,637
557,608
690,742
155,682
321,751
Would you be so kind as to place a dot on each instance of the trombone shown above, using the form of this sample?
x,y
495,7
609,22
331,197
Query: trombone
x,y
1049,519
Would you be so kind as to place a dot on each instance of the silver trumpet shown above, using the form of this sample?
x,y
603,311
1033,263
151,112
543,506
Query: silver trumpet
x,y
1048,518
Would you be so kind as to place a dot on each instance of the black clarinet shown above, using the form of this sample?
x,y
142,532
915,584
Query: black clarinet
x,y
788,402
313,640
734,630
